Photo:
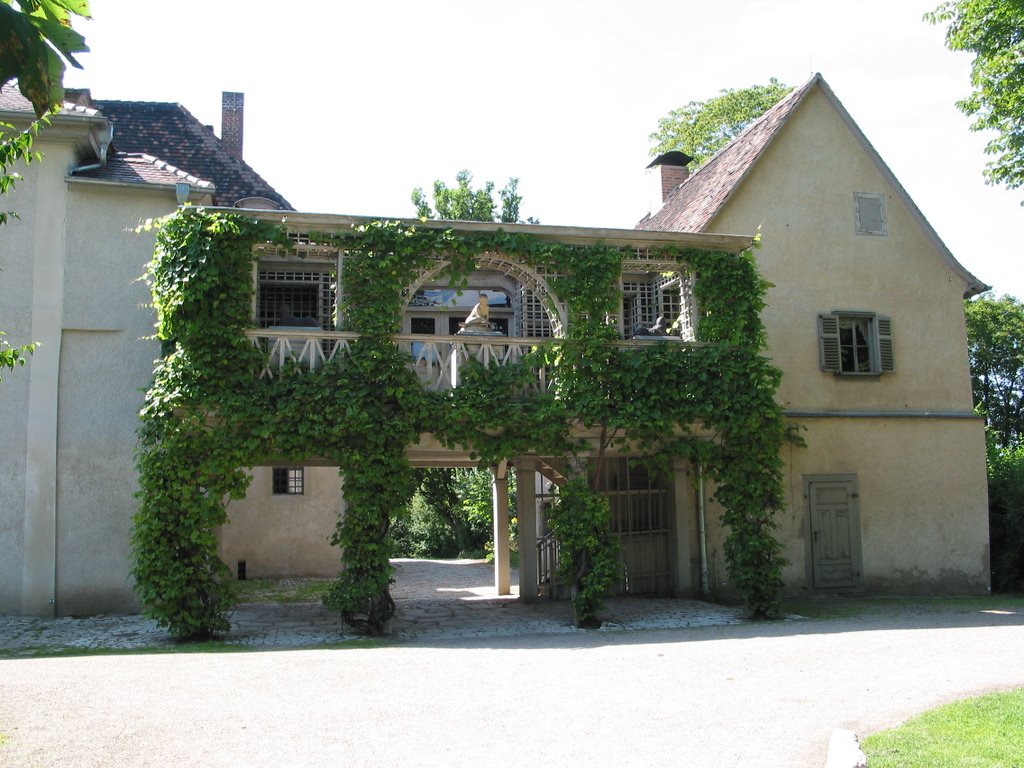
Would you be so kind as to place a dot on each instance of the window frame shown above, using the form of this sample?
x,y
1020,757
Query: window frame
x,y
859,227
880,343
293,482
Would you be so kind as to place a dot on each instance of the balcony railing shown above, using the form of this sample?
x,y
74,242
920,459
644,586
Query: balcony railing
x,y
436,360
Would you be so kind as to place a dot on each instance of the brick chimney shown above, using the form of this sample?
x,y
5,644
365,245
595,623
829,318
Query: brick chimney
x,y
673,171
232,115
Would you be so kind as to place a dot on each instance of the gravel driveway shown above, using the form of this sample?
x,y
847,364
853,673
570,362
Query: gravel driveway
x,y
749,695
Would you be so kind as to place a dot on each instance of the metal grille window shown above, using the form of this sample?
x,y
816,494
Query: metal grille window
x,y
530,315
852,343
288,481
300,293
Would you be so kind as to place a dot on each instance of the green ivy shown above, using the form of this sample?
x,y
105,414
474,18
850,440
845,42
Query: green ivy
x,y
208,415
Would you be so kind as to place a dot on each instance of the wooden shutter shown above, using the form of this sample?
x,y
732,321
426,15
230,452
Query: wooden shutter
x,y
828,343
886,360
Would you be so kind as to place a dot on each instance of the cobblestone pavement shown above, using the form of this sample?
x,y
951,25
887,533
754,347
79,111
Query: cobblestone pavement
x,y
435,600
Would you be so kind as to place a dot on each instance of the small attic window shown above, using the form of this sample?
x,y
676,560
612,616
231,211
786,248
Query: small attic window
x,y
869,213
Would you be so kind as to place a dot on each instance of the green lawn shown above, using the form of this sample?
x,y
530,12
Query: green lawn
x,y
986,732
282,590
849,606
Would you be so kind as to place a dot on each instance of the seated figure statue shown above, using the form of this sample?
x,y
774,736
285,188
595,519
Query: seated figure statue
x,y
287,319
479,320
658,329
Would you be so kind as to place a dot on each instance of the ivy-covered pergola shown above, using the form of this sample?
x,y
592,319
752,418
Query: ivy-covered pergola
x,y
210,414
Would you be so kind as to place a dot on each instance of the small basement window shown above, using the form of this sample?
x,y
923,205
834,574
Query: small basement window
x,y
855,343
869,214
288,481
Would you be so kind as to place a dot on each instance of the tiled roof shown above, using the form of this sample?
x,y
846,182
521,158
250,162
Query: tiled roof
x,y
696,201
11,100
170,132
179,147
142,169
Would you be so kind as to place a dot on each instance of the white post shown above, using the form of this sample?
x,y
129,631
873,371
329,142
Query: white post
x,y
499,493
526,498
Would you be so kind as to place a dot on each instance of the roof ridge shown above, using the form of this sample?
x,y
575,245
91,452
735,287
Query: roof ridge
x,y
691,206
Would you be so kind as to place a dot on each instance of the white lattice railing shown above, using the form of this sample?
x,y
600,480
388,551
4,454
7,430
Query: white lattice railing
x,y
437,360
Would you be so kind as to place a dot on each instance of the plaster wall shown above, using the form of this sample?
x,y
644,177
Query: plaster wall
x,y
16,248
801,195
922,529
106,364
922,480
285,535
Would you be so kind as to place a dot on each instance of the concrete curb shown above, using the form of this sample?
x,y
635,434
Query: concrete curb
x,y
844,750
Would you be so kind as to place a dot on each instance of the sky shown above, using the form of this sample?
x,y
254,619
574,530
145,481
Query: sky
x,y
349,106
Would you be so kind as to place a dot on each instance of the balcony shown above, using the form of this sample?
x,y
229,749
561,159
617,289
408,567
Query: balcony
x,y
436,360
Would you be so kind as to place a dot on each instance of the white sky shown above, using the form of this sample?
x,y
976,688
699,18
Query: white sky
x,y
351,105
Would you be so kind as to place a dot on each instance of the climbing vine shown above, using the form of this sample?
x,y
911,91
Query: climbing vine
x,y
208,415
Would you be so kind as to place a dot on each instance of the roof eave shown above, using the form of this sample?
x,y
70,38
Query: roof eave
x,y
631,238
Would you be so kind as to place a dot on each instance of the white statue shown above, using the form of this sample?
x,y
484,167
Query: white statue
x,y
479,318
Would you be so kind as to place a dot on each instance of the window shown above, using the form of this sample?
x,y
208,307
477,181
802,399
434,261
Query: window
x,y
869,213
288,481
287,294
855,343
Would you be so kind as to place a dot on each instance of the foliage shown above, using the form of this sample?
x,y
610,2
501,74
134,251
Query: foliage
x,y
463,203
1006,516
12,356
995,335
199,426
993,30
451,515
982,732
701,128
588,553
208,415
35,43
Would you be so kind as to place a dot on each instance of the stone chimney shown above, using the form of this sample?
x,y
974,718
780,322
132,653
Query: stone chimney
x,y
232,115
673,171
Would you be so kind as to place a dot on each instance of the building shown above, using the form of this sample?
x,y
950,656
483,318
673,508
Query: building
x,y
71,265
865,319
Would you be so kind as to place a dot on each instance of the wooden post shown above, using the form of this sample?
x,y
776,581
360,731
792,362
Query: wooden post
x,y
526,496
499,493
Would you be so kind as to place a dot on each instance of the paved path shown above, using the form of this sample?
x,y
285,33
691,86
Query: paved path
x,y
434,599
750,694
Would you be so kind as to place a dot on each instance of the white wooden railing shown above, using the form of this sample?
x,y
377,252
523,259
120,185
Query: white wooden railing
x,y
437,360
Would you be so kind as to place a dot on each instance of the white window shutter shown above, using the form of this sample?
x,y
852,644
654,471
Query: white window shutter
x,y
886,359
828,343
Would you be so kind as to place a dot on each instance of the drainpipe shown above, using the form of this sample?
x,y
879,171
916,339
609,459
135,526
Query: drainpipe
x,y
106,135
705,581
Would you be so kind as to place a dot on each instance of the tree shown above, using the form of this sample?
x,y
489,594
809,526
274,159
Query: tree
x,y
994,31
995,335
701,128
35,43
463,203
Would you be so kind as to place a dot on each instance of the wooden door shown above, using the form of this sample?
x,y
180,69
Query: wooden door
x,y
834,531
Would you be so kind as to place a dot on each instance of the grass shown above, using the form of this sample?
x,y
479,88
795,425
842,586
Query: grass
x,y
849,606
977,733
282,591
